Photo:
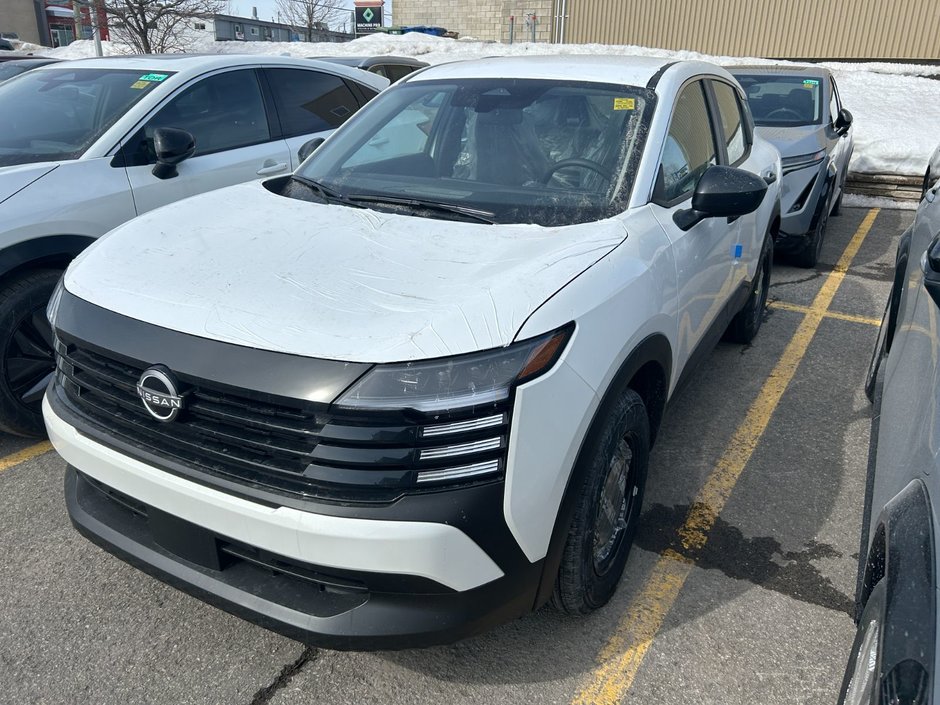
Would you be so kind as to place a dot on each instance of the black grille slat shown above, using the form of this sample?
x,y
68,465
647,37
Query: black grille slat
x,y
297,447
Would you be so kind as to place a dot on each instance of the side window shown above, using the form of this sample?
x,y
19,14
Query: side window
x,y
690,145
833,102
310,101
732,121
396,73
223,111
380,69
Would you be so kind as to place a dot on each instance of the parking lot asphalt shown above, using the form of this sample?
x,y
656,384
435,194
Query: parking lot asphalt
x,y
738,590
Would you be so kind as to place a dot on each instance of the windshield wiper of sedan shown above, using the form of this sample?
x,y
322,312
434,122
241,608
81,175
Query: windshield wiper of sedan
x,y
326,193
466,212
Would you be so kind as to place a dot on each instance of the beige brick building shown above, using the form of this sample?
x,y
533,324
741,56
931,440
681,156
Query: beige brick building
x,y
797,29
482,19
24,17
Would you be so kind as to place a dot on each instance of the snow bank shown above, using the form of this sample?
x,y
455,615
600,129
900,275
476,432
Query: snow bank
x,y
895,133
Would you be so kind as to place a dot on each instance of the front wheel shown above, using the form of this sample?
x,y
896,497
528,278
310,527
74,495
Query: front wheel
x,y
607,511
28,358
809,255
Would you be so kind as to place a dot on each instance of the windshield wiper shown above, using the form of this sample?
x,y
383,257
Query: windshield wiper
x,y
476,214
326,193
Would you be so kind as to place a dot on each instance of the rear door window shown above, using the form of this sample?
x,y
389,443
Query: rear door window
x,y
310,101
733,124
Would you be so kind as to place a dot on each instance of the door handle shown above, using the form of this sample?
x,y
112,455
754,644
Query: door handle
x,y
270,167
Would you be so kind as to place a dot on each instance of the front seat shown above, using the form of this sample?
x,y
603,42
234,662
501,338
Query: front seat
x,y
507,149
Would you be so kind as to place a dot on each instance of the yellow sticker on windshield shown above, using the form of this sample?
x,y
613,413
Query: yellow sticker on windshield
x,y
624,103
140,84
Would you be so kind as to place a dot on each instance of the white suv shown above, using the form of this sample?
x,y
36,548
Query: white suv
x,y
397,398
87,145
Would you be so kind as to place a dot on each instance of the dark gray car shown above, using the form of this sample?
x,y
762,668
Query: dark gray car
x,y
798,110
894,656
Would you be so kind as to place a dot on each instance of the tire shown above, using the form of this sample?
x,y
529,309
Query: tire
x,y
837,208
746,322
599,543
861,683
27,351
809,255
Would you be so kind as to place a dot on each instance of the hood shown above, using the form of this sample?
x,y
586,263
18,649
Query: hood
x,y
14,179
245,266
794,141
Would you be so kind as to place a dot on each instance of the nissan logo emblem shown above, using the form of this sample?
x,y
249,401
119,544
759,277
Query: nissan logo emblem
x,y
159,393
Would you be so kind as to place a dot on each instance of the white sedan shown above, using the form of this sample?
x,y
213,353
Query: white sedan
x,y
87,145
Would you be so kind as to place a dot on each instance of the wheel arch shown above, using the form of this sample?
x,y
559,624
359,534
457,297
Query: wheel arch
x,y
647,370
902,554
54,251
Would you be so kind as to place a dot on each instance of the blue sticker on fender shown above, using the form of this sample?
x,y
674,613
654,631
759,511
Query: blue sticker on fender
x,y
737,251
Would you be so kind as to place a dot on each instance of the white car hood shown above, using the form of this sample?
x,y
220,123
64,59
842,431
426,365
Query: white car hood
x,y
248,267
14,179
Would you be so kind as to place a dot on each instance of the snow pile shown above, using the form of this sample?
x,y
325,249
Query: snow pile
x,y
895,133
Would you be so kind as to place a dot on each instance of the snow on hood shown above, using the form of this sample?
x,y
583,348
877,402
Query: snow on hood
x,y
14,179
794,141
245,266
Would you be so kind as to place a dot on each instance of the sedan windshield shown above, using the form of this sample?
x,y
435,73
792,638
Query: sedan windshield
x,y
493,150
56,114
782,101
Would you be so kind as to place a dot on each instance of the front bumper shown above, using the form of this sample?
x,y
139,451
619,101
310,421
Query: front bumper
x,y
800,206
333,581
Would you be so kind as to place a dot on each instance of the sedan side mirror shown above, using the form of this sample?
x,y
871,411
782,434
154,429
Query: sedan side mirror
x,y
309,147
722,192
843,121
172,146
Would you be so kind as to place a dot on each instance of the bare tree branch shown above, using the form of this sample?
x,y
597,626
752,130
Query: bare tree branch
x,y
308,16
156,26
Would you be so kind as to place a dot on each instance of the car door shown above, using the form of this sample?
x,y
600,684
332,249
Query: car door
x,y
842,144
705,259
309,103
225,112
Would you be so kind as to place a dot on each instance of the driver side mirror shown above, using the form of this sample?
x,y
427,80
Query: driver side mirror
x,y
171,146
722,192
309,147
843,121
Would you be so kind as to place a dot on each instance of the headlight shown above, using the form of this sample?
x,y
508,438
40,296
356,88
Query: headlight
x,y
802,161
53,306
456,382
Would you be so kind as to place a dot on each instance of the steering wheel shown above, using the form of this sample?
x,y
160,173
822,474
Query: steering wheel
x,y
599,169
788,111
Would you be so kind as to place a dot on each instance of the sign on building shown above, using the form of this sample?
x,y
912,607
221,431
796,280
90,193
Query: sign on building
x,y
368,17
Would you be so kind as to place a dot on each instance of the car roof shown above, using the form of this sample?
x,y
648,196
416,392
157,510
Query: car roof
x,y
625,70
195,64
368,61
779,70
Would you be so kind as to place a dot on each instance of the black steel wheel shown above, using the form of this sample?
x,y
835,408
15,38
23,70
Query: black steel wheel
x,y
613,475
28,358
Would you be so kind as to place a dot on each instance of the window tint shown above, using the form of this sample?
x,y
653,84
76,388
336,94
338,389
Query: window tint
x,y
783,101
690,146
310,101
732,121
396,73
224,111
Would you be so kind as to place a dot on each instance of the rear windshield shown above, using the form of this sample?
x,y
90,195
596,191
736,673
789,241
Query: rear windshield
x,y
783,101
57,114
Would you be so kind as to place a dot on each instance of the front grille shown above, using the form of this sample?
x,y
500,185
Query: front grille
x,y
288,446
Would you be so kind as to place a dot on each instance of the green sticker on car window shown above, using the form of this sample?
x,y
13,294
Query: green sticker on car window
x,y
154,77
810,82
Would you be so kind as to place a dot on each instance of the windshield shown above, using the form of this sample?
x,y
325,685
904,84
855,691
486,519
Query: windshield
x,y
9,69
55,114
511,150
783,101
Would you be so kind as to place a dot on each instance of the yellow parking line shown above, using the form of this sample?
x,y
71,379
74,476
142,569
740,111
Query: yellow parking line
x,y
22,456
623,654
784,306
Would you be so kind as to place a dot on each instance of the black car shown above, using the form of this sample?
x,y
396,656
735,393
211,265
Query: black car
x,y
393,68
894,657
5,45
